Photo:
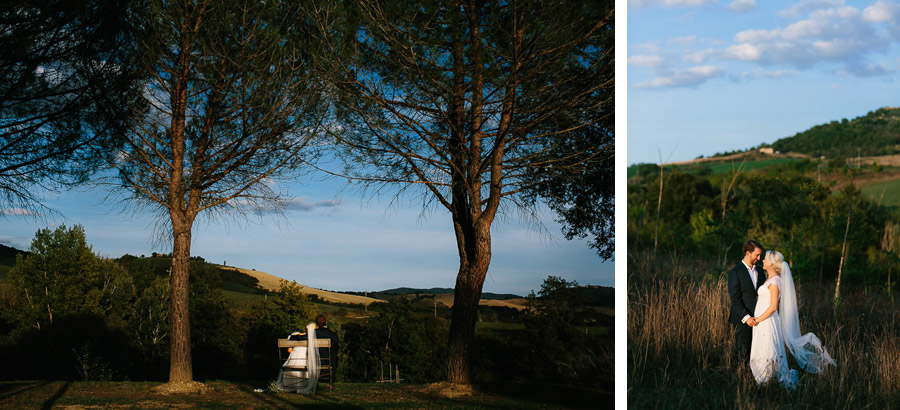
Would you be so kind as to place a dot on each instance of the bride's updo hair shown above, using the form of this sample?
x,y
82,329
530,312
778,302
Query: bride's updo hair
x,y
776,259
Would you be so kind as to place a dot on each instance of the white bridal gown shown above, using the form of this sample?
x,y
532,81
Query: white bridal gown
x,y
767,353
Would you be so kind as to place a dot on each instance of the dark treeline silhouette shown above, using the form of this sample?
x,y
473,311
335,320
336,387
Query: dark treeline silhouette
x,y
68,314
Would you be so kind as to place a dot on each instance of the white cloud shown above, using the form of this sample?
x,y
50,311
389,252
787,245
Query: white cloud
x,y
833,48
18,242
700,57
687,17
744,51
742,6
881,11
687,78
645,60
669,3
682,41
303,204
814,33
755,36
801,29
768,74
839,35
869,69
17,212
809,6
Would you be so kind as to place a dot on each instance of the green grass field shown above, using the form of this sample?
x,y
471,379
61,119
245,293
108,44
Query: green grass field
x,y
241,395
890,190
724,167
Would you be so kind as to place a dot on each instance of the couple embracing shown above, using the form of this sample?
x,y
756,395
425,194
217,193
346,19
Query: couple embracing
x,y
765,319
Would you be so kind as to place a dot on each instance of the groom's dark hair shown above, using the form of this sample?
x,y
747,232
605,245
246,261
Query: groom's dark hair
x,y
750,245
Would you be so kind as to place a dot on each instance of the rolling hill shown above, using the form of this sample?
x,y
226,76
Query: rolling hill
x,y
273,283
874,134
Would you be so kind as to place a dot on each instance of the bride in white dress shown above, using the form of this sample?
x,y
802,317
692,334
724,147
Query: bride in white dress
x,y
779,327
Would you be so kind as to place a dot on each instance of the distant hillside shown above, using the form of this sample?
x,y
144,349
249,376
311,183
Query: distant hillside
x,y
8,255
7,260
876,133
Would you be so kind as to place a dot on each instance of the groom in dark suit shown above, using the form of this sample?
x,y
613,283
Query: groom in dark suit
x,y
743,281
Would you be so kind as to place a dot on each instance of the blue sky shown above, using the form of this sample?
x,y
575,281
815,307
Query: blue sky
x,y
334,242
708,76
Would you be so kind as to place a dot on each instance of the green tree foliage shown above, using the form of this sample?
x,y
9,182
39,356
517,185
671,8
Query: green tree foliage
x,y
61,276
684,194
398,336
150,326
705,230
562,348
290,310
72,309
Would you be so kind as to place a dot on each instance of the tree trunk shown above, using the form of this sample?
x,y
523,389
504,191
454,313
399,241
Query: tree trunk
x,y
180,369
475,257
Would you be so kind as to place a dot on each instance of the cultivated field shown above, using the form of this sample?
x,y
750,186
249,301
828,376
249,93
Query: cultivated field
x,y
273,283
519,304
886,193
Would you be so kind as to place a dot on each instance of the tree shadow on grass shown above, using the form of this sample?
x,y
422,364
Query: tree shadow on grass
x,y
12,389
280,401
48,404
572,397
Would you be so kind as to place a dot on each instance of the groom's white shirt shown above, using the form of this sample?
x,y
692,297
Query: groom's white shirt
x,y
752,270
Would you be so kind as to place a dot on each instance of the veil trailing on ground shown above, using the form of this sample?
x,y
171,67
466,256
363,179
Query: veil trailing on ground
x,y
292,380
807,349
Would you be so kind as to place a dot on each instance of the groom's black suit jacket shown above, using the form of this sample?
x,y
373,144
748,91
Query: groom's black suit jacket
x,y
742,292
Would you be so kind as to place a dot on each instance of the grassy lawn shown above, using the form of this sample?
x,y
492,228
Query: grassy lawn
x,y
891,190
237,395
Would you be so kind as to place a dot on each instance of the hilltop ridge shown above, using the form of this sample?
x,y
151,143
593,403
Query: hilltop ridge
x,y
875,134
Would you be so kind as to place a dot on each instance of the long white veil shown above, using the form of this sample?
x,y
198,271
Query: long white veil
x,y
807,349
301,381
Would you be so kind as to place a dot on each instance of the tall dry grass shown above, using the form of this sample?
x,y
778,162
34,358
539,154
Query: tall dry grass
x,y
680,344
